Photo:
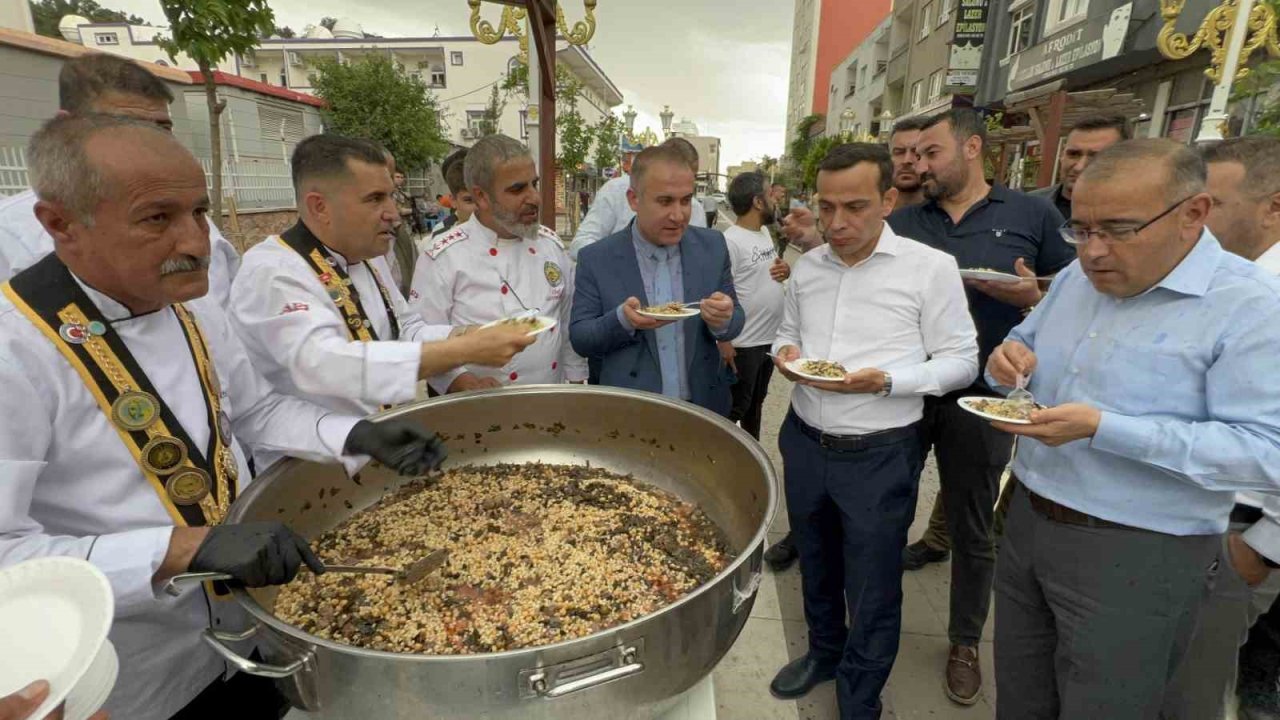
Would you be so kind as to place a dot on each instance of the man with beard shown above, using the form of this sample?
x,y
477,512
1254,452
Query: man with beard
x,y
315,306
660,259
1087,138
902,147
890,311
983,227
499,264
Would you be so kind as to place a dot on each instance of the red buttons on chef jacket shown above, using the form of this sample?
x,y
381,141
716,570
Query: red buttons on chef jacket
x,y
514,376
493,251
532,251
553,364
504,289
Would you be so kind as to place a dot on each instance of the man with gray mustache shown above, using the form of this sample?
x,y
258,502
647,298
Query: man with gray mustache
x,y
126,396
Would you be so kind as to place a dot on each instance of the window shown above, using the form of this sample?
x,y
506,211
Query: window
x,y
262,77
1065,12
475,118
524,124
513,65
106,38
862,74
926,20
455,57
437,78
1020,30
916,89
944,12
284,79
935,85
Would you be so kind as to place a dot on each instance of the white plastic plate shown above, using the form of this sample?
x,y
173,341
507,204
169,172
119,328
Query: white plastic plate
x,y
796,366
968,404
546,321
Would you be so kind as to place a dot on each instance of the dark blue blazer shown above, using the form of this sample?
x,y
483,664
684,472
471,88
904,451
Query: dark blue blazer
x,y
608,273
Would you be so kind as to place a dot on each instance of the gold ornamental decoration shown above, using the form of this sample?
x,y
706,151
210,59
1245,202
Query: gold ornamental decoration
x,y
512,23
1214,35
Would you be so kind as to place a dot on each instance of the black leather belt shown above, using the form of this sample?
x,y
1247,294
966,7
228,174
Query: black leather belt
x,y
1245,514
854,443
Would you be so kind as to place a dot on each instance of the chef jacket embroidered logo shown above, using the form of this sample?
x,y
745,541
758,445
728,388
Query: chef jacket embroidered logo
x,y
295,307
555,277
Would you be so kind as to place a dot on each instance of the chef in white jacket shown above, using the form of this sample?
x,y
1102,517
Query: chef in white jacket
x,y
500,263
317,309
112,85
611,212
125,393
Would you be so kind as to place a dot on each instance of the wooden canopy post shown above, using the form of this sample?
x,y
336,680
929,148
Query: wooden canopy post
x,y
542,24
1052,134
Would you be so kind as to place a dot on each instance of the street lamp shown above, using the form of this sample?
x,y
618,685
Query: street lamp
x,y
886,125
666,115
1231,31
630,117
847,118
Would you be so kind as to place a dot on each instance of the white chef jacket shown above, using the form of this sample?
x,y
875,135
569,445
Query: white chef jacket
x,y
1264,535
902,310
462,280
611,213
298,339
70,487
23,241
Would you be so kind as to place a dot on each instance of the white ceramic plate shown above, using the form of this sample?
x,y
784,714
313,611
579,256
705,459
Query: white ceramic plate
x,y
547,323
796,366
55,613
973,274
968,404
688,313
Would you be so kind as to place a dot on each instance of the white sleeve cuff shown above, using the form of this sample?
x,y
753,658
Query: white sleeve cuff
x,y
441,383
432,333
129,560
333,430
1264,537
391,371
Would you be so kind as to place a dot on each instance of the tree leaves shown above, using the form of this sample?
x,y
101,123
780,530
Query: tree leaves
x,y
371,98
210,30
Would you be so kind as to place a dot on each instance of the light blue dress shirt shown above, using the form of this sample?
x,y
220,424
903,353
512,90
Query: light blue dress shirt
x,y
663,277
1185,376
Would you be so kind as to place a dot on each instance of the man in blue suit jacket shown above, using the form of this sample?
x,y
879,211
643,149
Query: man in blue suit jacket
x,y
658,259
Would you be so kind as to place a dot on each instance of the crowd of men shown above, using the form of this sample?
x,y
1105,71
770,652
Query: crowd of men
x,y
150,370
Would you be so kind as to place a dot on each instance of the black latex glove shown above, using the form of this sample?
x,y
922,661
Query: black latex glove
x,y
255,554
403,445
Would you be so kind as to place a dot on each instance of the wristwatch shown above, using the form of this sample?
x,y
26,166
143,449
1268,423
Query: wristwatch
x,y
888,386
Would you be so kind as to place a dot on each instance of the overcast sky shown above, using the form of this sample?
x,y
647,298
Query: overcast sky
x,y
721,63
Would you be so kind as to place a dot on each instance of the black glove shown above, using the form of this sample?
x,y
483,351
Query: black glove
x,y
255,554
402,445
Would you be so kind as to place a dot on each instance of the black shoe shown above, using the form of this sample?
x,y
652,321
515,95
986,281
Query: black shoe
x,y
917,555
781,554
799,676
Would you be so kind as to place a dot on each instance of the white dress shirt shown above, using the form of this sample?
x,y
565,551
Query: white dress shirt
x,y
70,487
611,213
902,310
1264,535
298,339
462,279
23,241
752,255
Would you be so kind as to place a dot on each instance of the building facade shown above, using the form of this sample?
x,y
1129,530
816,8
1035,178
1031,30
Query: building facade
x,y
858,86
823,35
932,57
459,71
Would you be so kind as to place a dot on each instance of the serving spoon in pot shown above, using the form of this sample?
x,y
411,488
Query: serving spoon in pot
x,y
411,573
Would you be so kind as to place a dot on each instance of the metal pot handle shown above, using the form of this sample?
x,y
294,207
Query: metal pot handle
x,y
173,586
217,640
545,683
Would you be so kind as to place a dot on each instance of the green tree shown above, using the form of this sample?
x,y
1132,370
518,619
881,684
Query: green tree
x,y
608,137
284,32
327,22
492,119
208,31
571,128
372,98
801,147
46,14
818,149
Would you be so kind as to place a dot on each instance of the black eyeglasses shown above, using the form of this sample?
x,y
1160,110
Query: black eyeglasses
x,y
1114,234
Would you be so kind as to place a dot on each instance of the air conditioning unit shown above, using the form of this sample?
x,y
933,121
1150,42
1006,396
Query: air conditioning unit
x,y
470,134
294,58
247,61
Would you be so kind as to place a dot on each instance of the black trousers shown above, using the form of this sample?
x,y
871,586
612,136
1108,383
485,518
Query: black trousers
x,y
849,510
243,697
971,457
755,369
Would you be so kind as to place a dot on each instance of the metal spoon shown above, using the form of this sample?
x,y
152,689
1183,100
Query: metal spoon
x,y
412,573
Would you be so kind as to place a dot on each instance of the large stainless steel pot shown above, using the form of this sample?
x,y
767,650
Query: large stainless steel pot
x,y
631,671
